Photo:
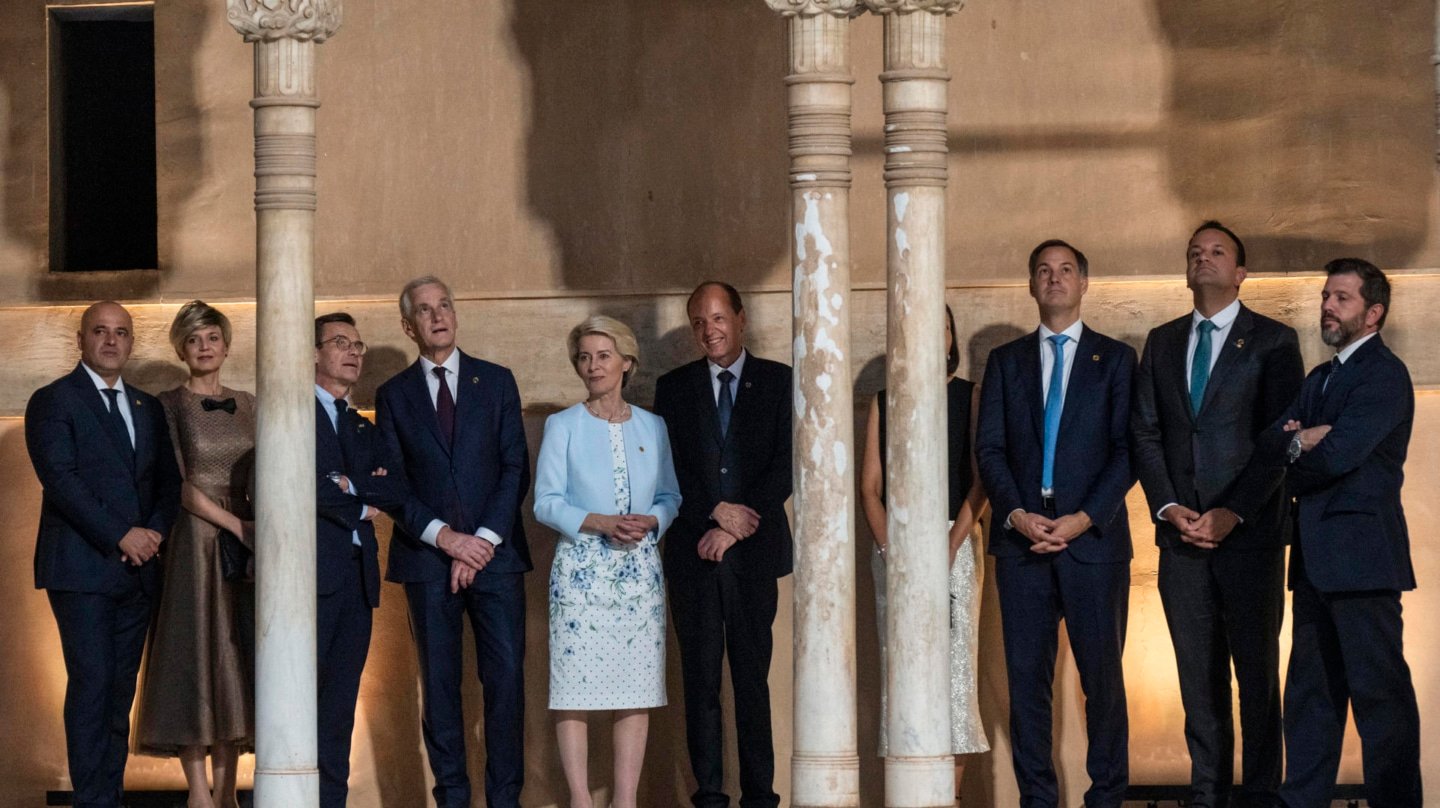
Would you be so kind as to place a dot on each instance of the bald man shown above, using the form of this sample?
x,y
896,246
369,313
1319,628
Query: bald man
x,y
103,455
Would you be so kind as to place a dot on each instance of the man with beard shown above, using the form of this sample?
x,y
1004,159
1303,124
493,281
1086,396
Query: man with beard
x,y
1345,439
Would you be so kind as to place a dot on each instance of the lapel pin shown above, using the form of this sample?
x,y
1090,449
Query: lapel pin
x,y
474,379
1095,358
1239,343
747,385
138,403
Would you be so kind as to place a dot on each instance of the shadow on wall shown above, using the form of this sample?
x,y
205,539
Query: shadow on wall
x,y
1308,123
656,139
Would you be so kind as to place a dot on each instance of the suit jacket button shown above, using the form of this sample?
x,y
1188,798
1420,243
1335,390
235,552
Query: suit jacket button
x,y
724,471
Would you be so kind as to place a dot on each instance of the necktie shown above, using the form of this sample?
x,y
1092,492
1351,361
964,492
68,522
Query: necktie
x,y
1334,368
445,407
117,419
1054,403
1200,365
726,403
212,404
340,407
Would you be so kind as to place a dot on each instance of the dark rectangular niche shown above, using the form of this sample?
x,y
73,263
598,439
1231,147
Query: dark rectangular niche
x,y
102,138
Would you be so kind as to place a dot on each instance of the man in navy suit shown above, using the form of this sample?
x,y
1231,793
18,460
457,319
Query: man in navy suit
x,y
102,452
1208,384
1053,450
353,483
1345,439
452,426
728,414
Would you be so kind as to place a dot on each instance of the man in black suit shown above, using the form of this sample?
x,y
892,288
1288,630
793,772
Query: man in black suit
x,y
353,483
452,426
1345,438
1052,443
102,452
1208,384
729,420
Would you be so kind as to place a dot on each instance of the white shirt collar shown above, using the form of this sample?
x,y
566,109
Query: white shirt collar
x,y
1073,332
451,364
737,367
1349,350
100,383
1222,319
327,398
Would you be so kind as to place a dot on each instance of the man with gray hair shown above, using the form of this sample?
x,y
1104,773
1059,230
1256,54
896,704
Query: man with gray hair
x,y
452,426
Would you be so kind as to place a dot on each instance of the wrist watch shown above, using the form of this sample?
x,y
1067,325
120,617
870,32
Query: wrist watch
x,y
1296,448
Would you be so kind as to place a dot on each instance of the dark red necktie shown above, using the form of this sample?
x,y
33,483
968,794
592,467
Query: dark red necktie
x,y
445,408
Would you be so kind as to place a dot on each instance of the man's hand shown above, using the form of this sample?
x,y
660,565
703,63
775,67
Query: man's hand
x,y
1179,516
342,481
739,521
139,545
1209,530
1037,529
461,574
470,550
369,513
1069,527
714,543
379,472
1309,437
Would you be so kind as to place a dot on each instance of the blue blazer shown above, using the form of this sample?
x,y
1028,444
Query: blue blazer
x,y
353,449
1351,527
480,481
93,494
1092,453
574,473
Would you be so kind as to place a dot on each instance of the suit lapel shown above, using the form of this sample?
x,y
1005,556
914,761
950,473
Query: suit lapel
x,y
1175,345
1342,380
468,402
1032,391
417,393
95,403
1083,374
327,442
704,393
144,437
1230,353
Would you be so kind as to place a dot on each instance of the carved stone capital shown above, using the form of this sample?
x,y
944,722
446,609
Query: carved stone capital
x,y
271,20
814,8
911,6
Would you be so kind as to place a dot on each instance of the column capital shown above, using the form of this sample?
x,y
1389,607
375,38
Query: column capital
x,y
271,20
910,6
814,8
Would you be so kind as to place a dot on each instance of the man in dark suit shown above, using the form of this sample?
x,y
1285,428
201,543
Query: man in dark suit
x,y
1345,438
452,426
1053,449
353,483
1208,384
102,452
729,421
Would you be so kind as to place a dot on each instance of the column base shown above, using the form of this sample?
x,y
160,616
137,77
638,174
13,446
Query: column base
x,y
824,781
920,782
287,789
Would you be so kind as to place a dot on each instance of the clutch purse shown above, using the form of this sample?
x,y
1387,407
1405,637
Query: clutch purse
x,y
235,557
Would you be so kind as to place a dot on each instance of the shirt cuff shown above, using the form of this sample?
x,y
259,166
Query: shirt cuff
x,y
432,532
1008,525
1160,514
489,535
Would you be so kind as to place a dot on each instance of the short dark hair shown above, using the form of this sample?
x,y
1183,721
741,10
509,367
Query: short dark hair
x,y
1211,224
952,359
1374,286
1081,263
332,317
735,304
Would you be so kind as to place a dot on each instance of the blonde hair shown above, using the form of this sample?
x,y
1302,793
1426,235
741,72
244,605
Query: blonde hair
x,y
618,332
192,317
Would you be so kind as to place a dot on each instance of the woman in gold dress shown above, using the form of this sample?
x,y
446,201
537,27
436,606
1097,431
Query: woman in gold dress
x,y
198,695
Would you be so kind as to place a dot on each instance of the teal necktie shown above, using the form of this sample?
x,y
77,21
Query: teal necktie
x,y
1200,365
1054,403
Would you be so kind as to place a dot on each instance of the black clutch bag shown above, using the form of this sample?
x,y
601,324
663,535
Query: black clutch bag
x,y
235,557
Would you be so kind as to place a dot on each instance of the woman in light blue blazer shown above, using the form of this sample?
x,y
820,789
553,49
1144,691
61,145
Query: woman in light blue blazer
x,y
606,484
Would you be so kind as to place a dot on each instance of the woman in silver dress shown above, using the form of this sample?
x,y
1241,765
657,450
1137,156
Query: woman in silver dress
x,y
966,505
605,483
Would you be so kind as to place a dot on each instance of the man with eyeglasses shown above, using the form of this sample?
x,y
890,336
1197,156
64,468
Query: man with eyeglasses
x,y
351,487
451,424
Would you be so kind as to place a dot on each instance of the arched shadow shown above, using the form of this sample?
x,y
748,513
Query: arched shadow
x,y
675,171
1309,126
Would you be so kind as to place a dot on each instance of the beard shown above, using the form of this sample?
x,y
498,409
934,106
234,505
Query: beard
x,y
1339,333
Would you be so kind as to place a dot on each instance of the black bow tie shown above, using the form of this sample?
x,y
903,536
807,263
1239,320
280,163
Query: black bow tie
x,y
212,404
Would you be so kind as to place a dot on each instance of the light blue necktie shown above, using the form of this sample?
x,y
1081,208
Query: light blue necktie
x,y
1054,403
1200,365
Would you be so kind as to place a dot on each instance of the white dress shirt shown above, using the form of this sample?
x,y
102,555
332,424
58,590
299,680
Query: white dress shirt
x,y
1222,320
123,399
432,383
737,367
1047,360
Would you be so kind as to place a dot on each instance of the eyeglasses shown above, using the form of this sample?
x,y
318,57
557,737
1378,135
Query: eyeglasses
x,y
344,344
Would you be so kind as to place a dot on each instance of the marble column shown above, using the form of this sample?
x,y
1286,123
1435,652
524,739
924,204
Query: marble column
x,y
285,35
919,768
825,766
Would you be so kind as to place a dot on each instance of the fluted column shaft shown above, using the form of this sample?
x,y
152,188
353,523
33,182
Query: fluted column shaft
x,y
286,773
825,767
919,767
